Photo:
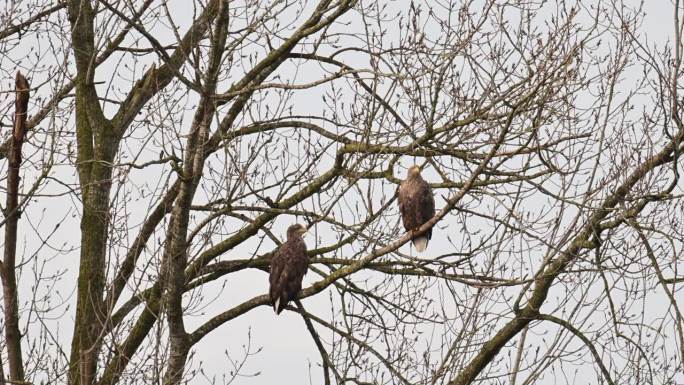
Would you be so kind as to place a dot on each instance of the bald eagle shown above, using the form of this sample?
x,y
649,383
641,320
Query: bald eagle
x,y
288,266
417,206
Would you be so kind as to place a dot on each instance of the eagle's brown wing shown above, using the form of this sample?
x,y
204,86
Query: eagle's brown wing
x,y
407,205
288,267
426,205
278,262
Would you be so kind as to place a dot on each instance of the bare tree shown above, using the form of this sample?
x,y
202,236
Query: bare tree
x,y
184,137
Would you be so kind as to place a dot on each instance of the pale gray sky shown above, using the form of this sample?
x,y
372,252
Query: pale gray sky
x,y
282,350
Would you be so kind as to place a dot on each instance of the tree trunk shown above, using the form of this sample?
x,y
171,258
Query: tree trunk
x,y
97,145
9,279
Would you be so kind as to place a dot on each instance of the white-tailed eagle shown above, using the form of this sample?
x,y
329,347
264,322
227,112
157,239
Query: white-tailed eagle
x,y
288,266
417,206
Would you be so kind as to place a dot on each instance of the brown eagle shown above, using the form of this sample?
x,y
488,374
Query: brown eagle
x,y
288,266
417,206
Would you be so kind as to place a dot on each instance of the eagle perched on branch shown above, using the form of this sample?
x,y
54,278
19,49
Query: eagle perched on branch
x,y
417,206
288,266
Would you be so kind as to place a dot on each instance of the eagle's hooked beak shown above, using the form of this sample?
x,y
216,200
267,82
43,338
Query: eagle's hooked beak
x,y
303,231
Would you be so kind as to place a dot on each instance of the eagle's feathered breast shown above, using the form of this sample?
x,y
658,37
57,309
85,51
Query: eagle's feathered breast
x,y
288,267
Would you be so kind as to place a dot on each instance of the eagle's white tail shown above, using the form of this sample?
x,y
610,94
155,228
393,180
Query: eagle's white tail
x,y
420,243
275,305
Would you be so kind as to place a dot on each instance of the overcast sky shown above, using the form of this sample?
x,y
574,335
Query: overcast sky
x,y
280,348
